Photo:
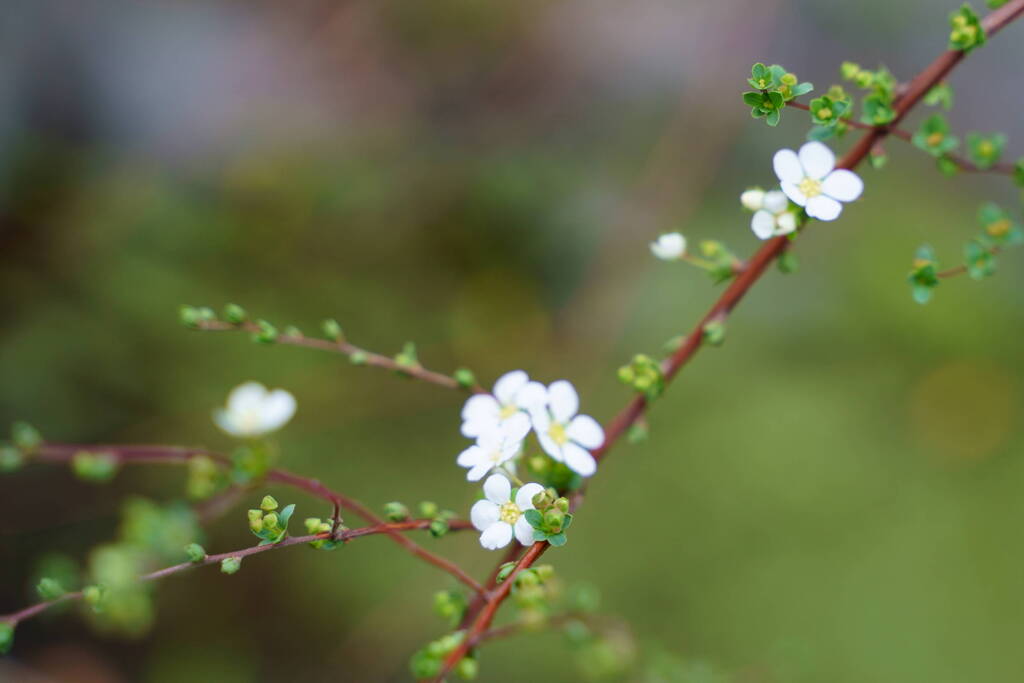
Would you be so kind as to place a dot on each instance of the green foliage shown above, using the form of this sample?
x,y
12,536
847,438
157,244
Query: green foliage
x,y
998,226
985,150
967,32
788,262
638,432
192,316
996,4
643,375
877,110
427,662
722,261
11,458
26,437
6,637
922,276
933,136
50,588
204,478
714,332
268,525
407,358
979,259
95,467
766,105
230,565
395,511
550,523
465,378
332,330
234,314
265,334
1018,172
195,552
250,463
450,606
940,95
827,112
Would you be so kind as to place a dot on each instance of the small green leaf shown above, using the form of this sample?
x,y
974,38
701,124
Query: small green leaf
x,y
557,540
535,518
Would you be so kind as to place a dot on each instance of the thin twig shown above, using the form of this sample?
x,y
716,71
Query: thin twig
x,y
136,454
345,348
347,535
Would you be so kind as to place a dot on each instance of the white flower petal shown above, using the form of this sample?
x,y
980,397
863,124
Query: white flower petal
x,y
277,408
483,514
550,446
775,201
477,472
753,199
246,397
785,223
585,431
516,428
497,489
485,428
471,456
787,166
579,460
763,224
563,400
817,160
524,496
669,246
496,536
224,419
824,208
794,193
532,397
523,531
843,185
508,384
480,407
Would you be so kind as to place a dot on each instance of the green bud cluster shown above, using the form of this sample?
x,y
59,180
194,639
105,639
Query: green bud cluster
x,y
250,462
643,375
933,137
722,261
439,518
774,87
50,588
25,441
234,314
267,524
550,517
534,592
266,333
428,662
332,330
877,107
93,596
95,467
966,31
941,95
315,525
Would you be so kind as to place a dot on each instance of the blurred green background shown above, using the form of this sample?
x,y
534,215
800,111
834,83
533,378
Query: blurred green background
x,y
834,495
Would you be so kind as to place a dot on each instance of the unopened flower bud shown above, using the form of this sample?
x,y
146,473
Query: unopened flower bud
x,y
230,565
235,314
554,519
195,552
396,512
270,521
562,504
312,525
256,520
752,199
268,503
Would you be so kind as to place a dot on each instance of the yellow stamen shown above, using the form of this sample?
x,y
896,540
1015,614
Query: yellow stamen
x,y
809,187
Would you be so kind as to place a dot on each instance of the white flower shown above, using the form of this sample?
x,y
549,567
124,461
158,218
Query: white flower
x,y
669,247
564,435
499,516
808,179
254,411
506,410
774,217
493,449
753,199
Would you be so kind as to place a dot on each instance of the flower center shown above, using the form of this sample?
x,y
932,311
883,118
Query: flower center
x,y
557,433
999,228
509,513
934,139
508,410
809,187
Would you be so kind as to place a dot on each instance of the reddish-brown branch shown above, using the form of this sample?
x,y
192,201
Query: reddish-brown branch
x,y
343,347
346,535
137,454
755,268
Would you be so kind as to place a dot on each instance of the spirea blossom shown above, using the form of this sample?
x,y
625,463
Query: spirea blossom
x,y
773,217
669,247
809,179
506,410
493,449
253,411
564,435
500,516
